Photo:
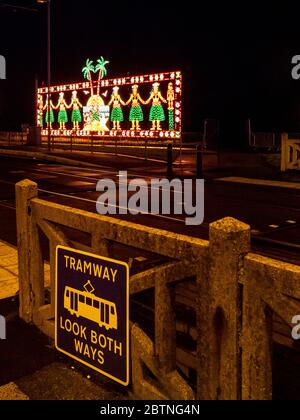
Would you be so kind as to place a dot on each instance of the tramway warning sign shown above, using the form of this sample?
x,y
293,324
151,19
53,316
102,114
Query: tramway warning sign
x,y
92,311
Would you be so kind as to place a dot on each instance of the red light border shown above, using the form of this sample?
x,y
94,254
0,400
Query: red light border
x,y
122,81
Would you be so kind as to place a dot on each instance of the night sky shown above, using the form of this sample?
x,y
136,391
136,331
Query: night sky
x,y
236,58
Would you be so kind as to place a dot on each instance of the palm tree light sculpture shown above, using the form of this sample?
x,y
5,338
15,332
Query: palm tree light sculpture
x,y
98,114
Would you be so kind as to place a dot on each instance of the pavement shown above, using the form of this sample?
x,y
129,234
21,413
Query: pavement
x,y
30,367
58,381
8,271
9,280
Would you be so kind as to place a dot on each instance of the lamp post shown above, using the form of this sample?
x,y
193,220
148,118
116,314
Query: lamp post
x,y
48,2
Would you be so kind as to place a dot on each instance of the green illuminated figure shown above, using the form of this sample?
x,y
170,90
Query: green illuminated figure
x,y
49,118
157,113
62,114
116,114
136,113
76,113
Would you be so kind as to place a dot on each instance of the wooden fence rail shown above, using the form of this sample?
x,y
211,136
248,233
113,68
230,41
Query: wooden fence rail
x,y
236,295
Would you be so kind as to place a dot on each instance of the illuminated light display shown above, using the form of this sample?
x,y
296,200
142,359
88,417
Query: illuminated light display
x,y
48,107
116,114
40,111
62,114
136,113
142,106
170,99
157,113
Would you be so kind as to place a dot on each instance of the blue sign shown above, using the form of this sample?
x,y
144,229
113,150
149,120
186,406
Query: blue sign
x,y
92,311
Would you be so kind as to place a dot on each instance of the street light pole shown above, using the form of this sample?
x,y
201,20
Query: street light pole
x,y
48,66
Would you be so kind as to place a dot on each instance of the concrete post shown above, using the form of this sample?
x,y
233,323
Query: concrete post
x,y
31,273
219,312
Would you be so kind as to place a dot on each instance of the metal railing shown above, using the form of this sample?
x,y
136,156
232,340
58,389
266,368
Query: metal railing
x,y
11,138
143,148
265,140
290,153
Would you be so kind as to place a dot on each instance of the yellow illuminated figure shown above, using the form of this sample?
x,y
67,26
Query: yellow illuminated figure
x,y
40,111
116,114
49,113
170,96
76,114
136,113
62,114
171,99
157,113
91,307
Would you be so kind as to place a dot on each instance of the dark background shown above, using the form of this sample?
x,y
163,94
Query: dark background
x,y
236,57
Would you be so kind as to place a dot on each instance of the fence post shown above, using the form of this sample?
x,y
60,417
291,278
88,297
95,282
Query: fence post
x,y
219,312
31,273
284,151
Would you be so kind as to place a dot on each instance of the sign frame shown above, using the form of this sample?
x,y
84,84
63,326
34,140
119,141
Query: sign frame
x,y
120,263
